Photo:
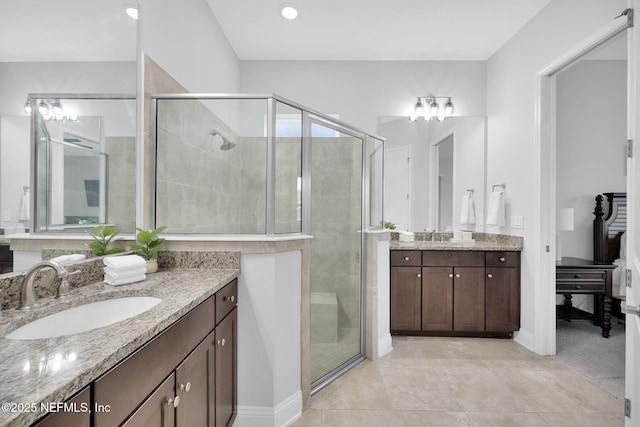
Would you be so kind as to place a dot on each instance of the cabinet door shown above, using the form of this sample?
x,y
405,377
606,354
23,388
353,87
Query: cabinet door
x,y
226,370
78,414
503,300
158,409
468,299
437,297
405,298
195,386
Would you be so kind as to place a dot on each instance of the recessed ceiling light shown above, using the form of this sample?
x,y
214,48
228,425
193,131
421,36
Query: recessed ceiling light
x,y
132,11
288,11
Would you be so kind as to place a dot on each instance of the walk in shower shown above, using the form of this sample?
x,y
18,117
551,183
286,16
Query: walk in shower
x,y
263,165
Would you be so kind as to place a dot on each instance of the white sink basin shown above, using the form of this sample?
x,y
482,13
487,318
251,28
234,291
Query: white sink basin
x,y
84,318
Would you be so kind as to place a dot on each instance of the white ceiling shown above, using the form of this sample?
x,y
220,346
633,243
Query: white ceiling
x,y
98,30
66,30
373,29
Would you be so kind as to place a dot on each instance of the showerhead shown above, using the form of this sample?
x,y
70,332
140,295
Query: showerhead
x,y
226,144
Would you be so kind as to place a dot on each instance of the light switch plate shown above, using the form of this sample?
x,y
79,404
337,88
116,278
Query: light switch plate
x,y
517,221
6,215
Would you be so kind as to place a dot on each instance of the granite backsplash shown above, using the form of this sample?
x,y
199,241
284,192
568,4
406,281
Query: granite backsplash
x,y
46,282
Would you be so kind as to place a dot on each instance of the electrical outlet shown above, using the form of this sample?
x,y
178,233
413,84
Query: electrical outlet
x,y
517,221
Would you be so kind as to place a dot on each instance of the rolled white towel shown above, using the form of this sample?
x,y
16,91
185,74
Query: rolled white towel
x,y
124,262
119,275
62,259
118,282
76,257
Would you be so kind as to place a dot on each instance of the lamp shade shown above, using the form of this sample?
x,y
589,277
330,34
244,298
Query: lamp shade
x,y
565,219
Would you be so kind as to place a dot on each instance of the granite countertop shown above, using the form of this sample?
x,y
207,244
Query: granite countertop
x,y
52,370
482,242
448,246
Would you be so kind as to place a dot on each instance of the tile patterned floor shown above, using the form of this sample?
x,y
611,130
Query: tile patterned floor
x,y
462,382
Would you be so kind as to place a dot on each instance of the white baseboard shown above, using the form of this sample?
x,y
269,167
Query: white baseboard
x,y
385,345
282,415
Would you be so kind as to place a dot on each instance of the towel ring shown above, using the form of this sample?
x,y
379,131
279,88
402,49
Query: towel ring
x,y
470,191
503,186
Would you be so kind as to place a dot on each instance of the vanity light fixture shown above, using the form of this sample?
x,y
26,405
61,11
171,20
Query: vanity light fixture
x,y
289,11
433,110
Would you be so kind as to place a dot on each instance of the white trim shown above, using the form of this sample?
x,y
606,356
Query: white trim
x,y
544,339
284,414
385,345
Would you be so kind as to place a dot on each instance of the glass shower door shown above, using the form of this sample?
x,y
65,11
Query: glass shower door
x,y
336,263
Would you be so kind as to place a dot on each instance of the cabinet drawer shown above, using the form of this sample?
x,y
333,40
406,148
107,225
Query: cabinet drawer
x,y
581,275
573,287
406,258
580,281
131,381
453,258
502,259
226,299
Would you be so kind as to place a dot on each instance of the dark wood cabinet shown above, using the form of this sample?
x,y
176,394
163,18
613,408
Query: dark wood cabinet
x,y
185,376
158,409
195,386
468,299
226,381
76,412
455,292
406,283
437,299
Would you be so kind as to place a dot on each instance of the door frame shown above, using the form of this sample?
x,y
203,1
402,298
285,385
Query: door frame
x,y
545,183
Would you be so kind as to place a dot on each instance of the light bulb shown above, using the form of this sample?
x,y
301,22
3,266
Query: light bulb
x,y
448,108
43,108
433,109
56,108
419,109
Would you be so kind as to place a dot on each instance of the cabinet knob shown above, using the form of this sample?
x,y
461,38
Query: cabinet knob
x,y
232,298
186,387
451,275
419,275
503,259
221,342
578,276
578,287
175,401
490,276
457,275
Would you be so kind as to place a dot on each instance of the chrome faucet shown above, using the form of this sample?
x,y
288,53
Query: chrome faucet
x,y
27,295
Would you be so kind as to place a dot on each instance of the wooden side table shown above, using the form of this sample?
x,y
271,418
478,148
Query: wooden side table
x,y
581,276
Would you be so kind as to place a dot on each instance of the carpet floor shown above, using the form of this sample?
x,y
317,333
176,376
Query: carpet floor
x,y
581,347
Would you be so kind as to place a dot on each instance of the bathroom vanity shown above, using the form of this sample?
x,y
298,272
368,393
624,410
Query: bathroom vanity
x,y
174,363
446,289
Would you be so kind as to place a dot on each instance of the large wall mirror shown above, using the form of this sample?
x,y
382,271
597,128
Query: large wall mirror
x,y
430,167
91,48
85,162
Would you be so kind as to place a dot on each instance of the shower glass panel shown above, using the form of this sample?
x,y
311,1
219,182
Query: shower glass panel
x,y
336,268
375,155
288,169
211,170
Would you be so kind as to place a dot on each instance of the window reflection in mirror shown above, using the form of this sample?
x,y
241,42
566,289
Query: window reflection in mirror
x,y
85,162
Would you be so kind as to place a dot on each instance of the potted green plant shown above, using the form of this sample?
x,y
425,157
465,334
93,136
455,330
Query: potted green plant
x,y
148,243
102,236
